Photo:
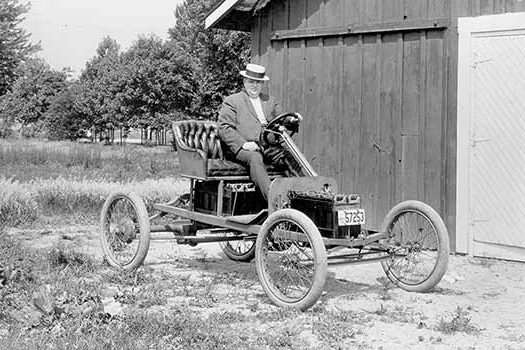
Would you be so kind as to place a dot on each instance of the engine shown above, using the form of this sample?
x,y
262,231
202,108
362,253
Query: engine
x,y
335,215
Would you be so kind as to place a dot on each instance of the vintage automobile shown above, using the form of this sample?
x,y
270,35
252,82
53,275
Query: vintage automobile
x,y
303,227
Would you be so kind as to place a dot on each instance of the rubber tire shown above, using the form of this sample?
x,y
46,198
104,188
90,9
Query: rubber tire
x,y
319,252
442,238
233,255
144,227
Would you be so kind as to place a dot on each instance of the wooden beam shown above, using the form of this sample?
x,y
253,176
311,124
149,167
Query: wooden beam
x,y
222,10
218,221
352,29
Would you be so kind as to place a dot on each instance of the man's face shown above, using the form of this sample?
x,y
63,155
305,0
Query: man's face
x,y
253,87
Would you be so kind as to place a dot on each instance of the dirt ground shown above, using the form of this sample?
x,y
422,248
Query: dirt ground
x,y
478,305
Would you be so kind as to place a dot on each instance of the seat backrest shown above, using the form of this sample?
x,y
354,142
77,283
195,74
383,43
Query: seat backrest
x,y
198,134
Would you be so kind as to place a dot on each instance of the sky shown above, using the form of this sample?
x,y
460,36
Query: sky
x,y
69,31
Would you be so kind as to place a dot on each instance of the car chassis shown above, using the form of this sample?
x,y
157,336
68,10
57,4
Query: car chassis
x,y
304,227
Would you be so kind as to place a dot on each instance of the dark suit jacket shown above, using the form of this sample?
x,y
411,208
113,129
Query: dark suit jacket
x,y
238,122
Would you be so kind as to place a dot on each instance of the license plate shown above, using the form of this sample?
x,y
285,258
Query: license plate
x,y
348,217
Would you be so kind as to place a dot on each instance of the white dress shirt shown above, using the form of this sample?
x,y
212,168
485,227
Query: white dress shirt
x,y
256,102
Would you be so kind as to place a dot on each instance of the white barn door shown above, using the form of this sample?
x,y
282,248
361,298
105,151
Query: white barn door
x,y
491,136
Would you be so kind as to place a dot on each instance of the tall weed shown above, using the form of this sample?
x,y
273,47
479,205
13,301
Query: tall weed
x,y
21,203
88,195
459,322
17,204
39,153
25,160
55,178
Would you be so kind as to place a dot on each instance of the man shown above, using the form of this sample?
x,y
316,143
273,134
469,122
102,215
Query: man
x,y
241,120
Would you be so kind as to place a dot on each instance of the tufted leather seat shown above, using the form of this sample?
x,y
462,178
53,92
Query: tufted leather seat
x,y
200,151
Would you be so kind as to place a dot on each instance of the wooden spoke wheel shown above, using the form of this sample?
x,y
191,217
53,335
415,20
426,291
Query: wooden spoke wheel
x,y
241,250
125,231
291,259
418,245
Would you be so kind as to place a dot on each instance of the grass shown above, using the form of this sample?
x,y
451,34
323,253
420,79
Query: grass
x,y
59,257
69,180
71,284
24,160
17,205
41,179
22,203
55,298
337,327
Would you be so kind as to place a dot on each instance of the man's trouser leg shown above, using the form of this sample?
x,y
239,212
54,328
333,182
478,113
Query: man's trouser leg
x,y
254,161
280,156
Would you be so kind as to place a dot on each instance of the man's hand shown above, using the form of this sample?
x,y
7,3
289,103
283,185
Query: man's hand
x,y
251,146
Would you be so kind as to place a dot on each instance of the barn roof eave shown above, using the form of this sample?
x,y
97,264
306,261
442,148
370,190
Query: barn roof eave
x,y
234,14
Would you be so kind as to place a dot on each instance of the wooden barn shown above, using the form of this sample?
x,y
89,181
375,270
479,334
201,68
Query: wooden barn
x,y
405,99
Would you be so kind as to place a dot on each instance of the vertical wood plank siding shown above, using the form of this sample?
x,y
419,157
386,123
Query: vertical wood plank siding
x,y
380,108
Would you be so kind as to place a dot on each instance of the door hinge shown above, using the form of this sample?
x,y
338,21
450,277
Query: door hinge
x,y
473,143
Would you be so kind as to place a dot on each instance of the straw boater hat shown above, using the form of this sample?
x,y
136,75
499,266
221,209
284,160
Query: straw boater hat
x,y
255,72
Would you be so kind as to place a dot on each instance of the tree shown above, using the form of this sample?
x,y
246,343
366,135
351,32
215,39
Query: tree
x,y
32,93
226,55
155,81
14,41
140,87
64,119
97,93
6,120
217,55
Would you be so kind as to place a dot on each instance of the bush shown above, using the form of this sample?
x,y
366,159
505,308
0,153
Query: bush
x,y
63,119
33,130
5,127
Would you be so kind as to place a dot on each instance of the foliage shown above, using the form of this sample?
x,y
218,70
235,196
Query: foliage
x,y
155,81
64,119
147,85
32,94
6,120
218,55
97,93
14,44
